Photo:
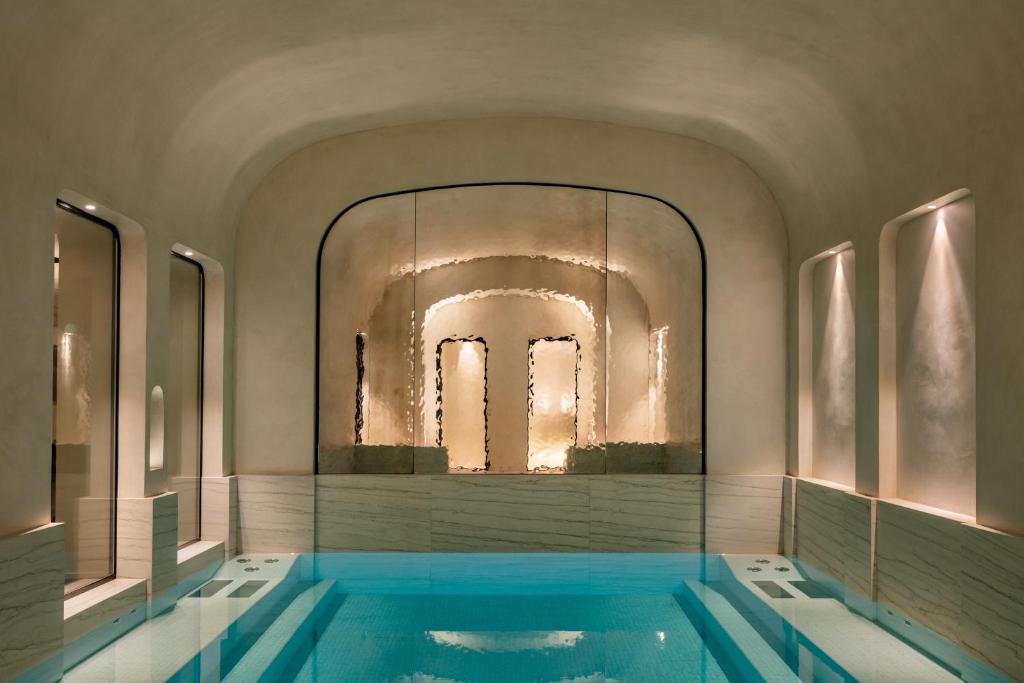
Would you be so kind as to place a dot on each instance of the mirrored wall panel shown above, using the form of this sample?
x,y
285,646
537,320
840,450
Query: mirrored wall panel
x,y
85,281
511,328
183,402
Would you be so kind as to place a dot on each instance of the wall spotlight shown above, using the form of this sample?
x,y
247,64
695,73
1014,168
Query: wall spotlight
x,y
932,206
90,207
188,253
832,252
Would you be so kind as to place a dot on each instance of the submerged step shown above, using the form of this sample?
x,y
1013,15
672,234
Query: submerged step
x,y
763,662
272,652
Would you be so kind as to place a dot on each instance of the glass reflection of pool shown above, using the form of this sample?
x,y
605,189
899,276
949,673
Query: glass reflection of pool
x,y
516,617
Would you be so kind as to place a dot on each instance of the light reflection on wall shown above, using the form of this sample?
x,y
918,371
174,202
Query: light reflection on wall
x,y
511,265
936,359
834,370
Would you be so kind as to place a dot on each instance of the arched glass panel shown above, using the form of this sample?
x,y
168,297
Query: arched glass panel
x,y
592,307
85,279
184,409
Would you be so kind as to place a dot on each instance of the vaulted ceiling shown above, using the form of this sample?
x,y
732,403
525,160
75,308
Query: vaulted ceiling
x,y
193,101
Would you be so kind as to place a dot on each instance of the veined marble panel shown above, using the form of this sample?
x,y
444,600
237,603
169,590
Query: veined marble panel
x,y
788,515
219,520
919,566
653,513
100,605
743,514
198,556
147,540
992,614
365,512
31,598
858,555
820,534
187,489
275,513
517,513
93,539
165,542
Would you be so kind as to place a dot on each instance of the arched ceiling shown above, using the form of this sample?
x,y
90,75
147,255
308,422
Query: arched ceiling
x,y
190,103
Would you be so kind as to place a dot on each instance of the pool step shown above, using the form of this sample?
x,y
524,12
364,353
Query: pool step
x,y
760,661
266,659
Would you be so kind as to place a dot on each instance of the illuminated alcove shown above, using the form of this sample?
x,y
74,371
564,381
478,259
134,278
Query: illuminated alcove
x,y
927,356
511,328
828,366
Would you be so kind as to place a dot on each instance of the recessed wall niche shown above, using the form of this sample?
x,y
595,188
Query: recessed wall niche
x,y
511,328
927,354
828,366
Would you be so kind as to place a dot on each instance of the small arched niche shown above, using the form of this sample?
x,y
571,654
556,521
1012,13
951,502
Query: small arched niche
x,y
927,356
491,281
156,428
827,373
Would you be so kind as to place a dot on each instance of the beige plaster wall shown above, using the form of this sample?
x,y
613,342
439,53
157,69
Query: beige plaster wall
x,y
935,358
833,368
288,213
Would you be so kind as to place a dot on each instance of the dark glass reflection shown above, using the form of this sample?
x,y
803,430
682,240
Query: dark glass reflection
x,y
84,395
183,428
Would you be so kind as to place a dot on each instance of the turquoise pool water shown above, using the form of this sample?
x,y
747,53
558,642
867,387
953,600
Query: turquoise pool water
x,y
437,618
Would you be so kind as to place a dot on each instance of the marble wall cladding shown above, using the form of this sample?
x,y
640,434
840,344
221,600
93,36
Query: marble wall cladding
x,y
367,513
919,566
100,605
522,513
147,540
858,524
992,601
788,515
938,569
647,513
31,598
834,532
514,513
219,520
275,513
743,513
819,531
93,537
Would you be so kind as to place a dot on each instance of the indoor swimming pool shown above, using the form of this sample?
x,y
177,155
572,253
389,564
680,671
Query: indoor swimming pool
x,y
583,617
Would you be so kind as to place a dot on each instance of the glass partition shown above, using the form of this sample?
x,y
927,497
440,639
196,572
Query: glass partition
x,y
85,287
511,328
183,405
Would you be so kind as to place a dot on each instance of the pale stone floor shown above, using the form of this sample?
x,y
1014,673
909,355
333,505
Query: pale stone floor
x,y
156,649
864,649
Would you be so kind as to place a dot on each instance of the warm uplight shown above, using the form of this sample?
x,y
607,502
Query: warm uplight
x,y
832,252
90,207
188,253
932,206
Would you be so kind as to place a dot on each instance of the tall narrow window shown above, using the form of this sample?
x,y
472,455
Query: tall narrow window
x,y
552,403
184,408
462,402
85,279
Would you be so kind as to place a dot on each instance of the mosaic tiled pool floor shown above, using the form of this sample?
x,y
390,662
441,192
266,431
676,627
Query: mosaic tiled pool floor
x,y
580,618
